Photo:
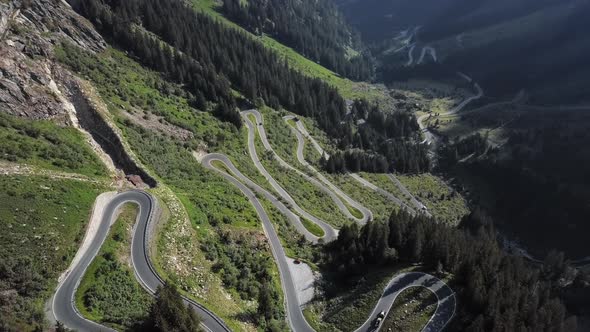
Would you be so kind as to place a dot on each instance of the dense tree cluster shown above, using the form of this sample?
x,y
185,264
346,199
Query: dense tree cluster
x,y
497,292
20,280
119,21
244,266
115,294
381,142
207,53
472,145
355,161
169,313
315,29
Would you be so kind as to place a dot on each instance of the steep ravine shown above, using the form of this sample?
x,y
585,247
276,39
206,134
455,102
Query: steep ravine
x,y
94,123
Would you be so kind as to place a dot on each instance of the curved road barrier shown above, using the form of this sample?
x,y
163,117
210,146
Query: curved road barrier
x,y
63,303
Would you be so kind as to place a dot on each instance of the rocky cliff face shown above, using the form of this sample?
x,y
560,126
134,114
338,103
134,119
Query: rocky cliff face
x,y
34,85
29,30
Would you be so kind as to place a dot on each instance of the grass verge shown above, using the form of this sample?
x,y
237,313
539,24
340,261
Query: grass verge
x,y
312,228
379,205
443,202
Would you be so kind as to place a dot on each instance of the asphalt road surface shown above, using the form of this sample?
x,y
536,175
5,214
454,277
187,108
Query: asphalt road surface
x,y
446,298
446,305
445,309
274,184
417,204
334,194
63,304
294,314
382,192
429,136
301,133
240,180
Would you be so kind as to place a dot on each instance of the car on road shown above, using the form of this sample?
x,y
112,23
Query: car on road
x,y
379,319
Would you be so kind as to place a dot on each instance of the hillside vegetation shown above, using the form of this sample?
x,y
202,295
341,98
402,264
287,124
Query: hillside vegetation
x,y
43,222
315,29
47,145
190,55
217,211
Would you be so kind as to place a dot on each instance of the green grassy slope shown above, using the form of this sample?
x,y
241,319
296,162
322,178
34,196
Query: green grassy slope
x,y
42,223
47,145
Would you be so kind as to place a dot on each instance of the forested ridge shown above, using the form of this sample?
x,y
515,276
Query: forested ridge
x,y
210,60
313,28
496,291
206,56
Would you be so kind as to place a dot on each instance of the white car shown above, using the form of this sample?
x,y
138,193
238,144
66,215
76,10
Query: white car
x,y
380,318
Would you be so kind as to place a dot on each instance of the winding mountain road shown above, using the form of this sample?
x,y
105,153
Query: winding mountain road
x,y
325,185
294,314
411,55
242,181
430,50
383,192
274,184
301,133
445,309
63,304
429,137
417,204
446,298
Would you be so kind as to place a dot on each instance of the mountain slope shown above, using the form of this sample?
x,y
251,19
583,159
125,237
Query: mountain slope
x,y
315,29
507,46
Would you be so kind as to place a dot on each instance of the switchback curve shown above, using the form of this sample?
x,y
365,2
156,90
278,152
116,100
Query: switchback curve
x,y
63,304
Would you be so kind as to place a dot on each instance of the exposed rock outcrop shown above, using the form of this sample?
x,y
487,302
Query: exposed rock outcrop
x,y
34,85
93,119
29,30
